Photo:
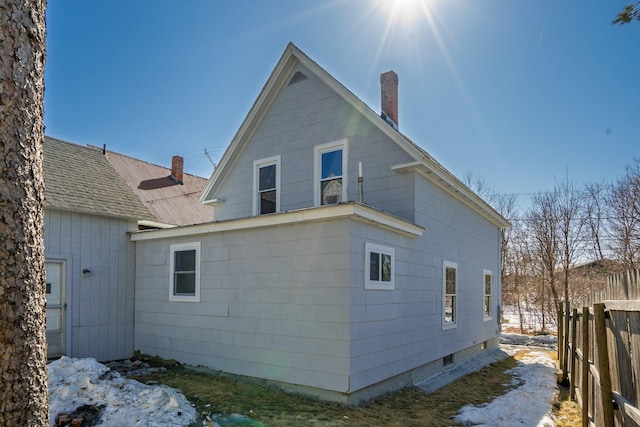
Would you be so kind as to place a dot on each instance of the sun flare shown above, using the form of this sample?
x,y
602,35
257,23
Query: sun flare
x,y
405,12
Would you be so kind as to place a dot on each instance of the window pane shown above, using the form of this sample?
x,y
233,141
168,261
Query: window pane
x,y
331,191
487,305
450,309
331,164
267,178
487,284
450,280
267,202
185,260
374,266
386,268
184,283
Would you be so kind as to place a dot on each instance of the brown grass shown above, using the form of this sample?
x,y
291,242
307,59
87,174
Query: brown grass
x,y
218,394
567,413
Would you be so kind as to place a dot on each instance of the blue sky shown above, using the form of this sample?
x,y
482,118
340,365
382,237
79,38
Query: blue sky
x,y
519,92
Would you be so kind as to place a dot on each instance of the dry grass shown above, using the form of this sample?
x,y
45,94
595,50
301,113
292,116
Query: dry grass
x,y
218,394
567,413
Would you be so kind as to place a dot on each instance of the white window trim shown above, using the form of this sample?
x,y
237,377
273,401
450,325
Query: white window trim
x,y
446,324
378,284
486,316
257,164
184,247
317,168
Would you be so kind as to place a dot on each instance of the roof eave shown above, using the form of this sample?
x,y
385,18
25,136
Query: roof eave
x,y
437,174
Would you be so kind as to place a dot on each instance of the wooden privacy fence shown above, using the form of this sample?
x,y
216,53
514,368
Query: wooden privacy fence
x,y
603,354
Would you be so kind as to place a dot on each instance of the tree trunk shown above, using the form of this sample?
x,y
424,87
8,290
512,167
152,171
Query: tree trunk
x,y
23,348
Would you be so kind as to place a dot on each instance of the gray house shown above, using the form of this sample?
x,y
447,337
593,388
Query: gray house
x,y
89,258
94,199
309,279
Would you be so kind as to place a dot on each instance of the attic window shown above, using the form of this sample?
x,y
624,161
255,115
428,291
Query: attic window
x,y
297,77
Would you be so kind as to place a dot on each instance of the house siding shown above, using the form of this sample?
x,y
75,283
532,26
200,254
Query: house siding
x,y
395,332
288,302
274,304
100,306
302,116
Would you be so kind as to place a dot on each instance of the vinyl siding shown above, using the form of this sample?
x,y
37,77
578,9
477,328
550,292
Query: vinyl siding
x,y
304,115
393,332
274,304
99,315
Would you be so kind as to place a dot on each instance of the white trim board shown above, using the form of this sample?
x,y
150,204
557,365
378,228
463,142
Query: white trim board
x,y
357,211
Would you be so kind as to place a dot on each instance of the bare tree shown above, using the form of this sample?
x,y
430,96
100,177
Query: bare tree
x,y
571,223
542,224
595,212
505,204
623,199
516,283
23,350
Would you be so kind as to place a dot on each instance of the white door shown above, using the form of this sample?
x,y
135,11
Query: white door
x,y
55,309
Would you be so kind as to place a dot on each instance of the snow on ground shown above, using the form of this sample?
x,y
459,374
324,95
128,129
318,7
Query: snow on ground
x,y
77,382
529,404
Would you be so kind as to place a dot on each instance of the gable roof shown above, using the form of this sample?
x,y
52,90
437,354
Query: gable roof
x,y
422,163
80,179
169,202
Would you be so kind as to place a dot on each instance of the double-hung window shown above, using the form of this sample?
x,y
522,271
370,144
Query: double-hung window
x,y
266,185
330,173
487,293
184,265
449,289
379,267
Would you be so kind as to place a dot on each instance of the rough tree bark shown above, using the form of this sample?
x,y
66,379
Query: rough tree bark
x,y
23,349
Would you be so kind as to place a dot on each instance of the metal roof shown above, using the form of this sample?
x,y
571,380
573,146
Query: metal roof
x,y
170,203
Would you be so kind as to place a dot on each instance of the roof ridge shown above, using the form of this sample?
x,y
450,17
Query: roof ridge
x,y
146,162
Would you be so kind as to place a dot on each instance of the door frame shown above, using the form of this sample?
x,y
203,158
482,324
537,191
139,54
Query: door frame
x,y
65,264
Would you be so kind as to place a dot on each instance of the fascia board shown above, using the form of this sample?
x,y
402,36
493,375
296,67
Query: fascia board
x,y
358,104
291,56
354,210
437,174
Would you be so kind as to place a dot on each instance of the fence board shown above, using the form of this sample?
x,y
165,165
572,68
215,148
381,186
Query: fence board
x,y
602,336
621,362
585,366
629,411
634,331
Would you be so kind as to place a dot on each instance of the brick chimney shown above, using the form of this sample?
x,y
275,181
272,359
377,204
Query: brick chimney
x,y
389,97
177,163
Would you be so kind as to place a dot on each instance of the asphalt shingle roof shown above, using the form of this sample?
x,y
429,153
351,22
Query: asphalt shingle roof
x,y
80,179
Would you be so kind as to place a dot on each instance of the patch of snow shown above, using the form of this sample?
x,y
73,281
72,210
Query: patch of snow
x,y
531,320
544,341
527,405
76,382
